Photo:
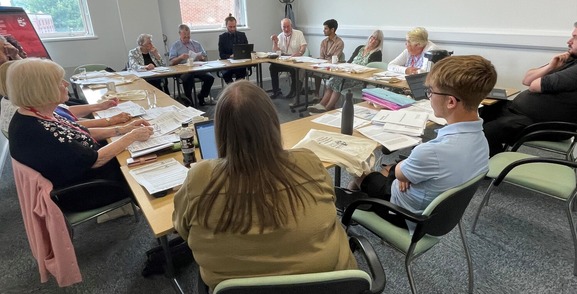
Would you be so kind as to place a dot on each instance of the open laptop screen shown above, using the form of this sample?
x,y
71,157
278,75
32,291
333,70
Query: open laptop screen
x,y
206,139
417,85
242,51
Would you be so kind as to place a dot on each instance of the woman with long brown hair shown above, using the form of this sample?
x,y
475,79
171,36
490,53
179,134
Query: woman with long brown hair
x,y
258,209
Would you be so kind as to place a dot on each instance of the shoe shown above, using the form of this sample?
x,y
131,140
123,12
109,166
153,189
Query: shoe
x,y
276,94
209,100
317,108
316,100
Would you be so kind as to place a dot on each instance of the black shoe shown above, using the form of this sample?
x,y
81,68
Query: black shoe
x,y
275,95
201,102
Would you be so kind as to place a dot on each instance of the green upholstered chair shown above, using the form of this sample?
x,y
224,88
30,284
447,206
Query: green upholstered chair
x,y
548,176
343,281
530,137
438,219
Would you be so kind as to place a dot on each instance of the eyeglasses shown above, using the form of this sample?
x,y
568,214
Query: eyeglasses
x,y
429,92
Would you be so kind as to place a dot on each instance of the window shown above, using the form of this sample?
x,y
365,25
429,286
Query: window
x,y
210,14
57,18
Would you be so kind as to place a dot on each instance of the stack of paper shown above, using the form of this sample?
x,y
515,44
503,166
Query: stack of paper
x,y
334,120
425,106
155,143
129,107
160,176
410,123
389,140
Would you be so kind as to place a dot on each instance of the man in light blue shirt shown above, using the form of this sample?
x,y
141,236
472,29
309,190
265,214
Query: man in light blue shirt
x,y
180,52
456,86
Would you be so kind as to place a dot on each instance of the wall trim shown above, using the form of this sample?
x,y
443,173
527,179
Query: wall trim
x,y
510,39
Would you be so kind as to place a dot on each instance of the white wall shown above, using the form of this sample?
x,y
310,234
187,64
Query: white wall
x,y
117,24
515,35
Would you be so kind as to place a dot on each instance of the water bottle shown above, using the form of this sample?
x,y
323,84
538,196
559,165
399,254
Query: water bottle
x,y
187,145
348,114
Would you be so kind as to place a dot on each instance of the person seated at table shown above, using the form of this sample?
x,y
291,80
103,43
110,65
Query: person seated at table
x,y
412,60
64,152
363,55
258,209
7,109
226,42
292,43
456,86
146,57
331,46
180,53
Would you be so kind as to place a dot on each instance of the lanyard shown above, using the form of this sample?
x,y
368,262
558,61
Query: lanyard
x,y
61,121
287,42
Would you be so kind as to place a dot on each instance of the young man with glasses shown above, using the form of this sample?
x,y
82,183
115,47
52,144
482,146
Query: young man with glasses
x,y
456,87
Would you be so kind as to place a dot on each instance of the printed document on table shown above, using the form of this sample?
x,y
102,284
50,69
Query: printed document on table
x,y
425,106
233,61
160,176
364,112
129,107
334,120
390,140
400,129
154,143
402,117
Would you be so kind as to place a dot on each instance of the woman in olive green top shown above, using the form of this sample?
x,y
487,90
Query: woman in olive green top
x,y
258,210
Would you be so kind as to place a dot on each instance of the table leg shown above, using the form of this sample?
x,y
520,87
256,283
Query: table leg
x,y
258,68
337,176
170,271
297,103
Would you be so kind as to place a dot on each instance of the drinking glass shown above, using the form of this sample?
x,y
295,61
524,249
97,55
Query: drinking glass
x,y
151,98
82,73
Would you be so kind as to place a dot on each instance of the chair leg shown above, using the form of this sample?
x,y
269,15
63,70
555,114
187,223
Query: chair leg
x,y
573,234
408,260
134,209
483,203
468,255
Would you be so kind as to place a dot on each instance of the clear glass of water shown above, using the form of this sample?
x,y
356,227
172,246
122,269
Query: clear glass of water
x,y
82,73
151,98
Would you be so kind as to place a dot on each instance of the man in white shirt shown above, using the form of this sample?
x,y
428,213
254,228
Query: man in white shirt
x,y
292,43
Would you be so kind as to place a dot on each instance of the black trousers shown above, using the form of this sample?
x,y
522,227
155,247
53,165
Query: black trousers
x,y
275,69
188,81
238,73
376,185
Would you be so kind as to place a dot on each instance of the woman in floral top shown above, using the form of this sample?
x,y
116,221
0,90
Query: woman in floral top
x,y
363,55
64,152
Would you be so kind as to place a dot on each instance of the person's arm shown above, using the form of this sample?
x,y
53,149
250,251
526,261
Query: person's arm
x,y
221,47
202,56
275,45
354,54
135,60
109,151
533,76
301,51
398,64
86,109
339,47
105,133
11,51
106,122
173,56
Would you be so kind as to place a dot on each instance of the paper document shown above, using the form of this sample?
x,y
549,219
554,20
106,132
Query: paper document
x,y
402,117
162,69
155,143
233,61
334,120
391,141
160,176
425,106
364,112
129,107
308,59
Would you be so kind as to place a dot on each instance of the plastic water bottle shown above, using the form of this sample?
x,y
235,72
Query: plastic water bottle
x,y
348,114
187,145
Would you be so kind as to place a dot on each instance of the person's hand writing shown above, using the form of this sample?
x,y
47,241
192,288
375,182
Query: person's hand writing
x,y
403,186
141,133
559,60
138,123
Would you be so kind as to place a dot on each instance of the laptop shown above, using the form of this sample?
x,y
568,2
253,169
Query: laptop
x,y
206,139
242,51
416,84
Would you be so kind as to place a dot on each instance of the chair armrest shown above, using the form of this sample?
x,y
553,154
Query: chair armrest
x,y
54,194
536,134
378,273
406,214
511,166
551,125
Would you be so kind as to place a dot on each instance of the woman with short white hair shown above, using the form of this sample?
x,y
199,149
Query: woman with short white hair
x,y
412,60
145,57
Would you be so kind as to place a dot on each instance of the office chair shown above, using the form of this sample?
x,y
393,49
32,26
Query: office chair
x,y
548,176
343,281
438,219
247,77
565,147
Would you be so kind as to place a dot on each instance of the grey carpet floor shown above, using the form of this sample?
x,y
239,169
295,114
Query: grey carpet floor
x,y
522,245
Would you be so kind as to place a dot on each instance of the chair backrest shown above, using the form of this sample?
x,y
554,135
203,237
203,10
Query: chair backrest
x,y
90,67
446,210
378,64
345,281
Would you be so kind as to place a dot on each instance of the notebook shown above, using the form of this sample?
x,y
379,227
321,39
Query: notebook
x,y
417,85
242,51
206,139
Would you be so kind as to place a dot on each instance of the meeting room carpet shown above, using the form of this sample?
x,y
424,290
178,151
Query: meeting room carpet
x,y
522,245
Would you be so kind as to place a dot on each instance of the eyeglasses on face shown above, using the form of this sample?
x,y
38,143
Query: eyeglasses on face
x,y
429,92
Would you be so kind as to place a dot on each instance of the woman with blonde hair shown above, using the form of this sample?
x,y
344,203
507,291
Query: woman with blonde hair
x,y
258,209
363,55
412,60
63,151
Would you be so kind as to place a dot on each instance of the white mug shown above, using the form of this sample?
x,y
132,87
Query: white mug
x,y
190,62
253,55
335,59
